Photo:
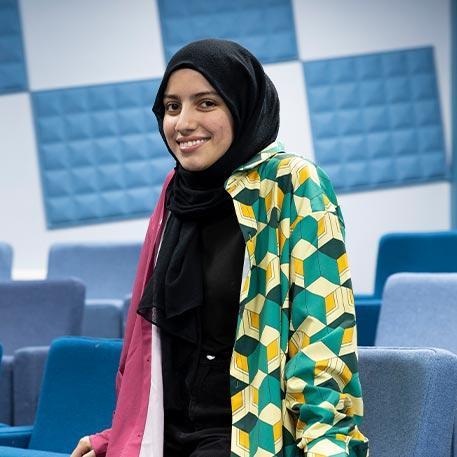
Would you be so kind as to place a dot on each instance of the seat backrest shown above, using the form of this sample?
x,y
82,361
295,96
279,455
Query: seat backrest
x,y
107,269
409,400
419,309
430,252
6,261
33,313
78,392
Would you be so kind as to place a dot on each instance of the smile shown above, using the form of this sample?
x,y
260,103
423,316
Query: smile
x,y
191,145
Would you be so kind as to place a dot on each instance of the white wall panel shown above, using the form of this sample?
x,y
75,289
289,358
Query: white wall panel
x,y
294,129
71,43
21,205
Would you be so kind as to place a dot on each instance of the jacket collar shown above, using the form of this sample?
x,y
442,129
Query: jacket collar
x,y
262,156
232,183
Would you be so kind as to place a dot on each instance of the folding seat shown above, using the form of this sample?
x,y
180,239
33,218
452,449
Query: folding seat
x,y
77,398
33,313
108,271
409,400
428,252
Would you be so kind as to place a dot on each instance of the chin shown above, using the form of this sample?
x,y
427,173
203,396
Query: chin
x,y
192,166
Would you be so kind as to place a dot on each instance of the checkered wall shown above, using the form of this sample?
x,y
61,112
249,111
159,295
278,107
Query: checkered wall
x,y
100,154
12,63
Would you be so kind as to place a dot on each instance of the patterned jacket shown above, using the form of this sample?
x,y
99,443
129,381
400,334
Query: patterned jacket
x,y
294,372
295,388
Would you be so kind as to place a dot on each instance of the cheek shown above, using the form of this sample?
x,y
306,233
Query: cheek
x,y
225,132
168,128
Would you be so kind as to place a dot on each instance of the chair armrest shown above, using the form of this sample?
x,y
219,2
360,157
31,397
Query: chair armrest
x,y
16,436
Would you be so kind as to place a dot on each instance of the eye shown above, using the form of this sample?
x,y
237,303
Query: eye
x,y
208,104
171,107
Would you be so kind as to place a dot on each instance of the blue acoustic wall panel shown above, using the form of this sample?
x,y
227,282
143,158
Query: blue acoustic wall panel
x,y
454,113
376,119
12,64
101,154
266,28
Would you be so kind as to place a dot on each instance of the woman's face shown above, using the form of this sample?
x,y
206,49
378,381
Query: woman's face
x,y
197,123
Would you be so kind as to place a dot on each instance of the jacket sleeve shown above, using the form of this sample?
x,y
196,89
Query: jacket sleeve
x,y
99,441
322,384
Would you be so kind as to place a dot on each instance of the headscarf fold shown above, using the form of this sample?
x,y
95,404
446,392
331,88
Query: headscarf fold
x,y
175,289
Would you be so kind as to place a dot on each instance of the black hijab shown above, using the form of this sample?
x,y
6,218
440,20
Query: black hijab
x,y
176,287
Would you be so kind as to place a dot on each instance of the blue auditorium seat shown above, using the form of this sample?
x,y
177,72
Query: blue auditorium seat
x,y
108,271
428,252
6,261
419,309
76,399
409,400
33,313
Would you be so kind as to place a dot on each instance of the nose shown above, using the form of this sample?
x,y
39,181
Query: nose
x,y
186,121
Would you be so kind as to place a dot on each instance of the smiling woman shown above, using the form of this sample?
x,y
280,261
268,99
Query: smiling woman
x,y
198,125
241,336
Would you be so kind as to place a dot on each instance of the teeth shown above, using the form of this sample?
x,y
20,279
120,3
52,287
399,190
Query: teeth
x,y
187,144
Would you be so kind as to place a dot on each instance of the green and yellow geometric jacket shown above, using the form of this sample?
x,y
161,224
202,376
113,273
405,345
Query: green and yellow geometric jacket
x,y
294,381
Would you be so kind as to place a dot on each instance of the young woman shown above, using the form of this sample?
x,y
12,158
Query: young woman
x,y
241,337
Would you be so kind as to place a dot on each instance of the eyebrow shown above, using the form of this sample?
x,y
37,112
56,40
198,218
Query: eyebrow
x,y
193,97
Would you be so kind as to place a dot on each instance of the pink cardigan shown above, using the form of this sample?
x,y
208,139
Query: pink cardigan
x,y
133,381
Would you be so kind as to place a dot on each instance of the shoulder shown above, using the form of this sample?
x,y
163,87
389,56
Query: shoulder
x,y
301,177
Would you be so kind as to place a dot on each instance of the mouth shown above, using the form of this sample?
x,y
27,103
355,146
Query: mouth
x,y
191,145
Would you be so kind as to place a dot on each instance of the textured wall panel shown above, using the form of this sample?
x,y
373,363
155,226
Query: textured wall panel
x,y
266,28
101,155
12,64
376,119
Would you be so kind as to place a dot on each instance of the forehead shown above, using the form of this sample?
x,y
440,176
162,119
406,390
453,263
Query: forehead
x,y
187,81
